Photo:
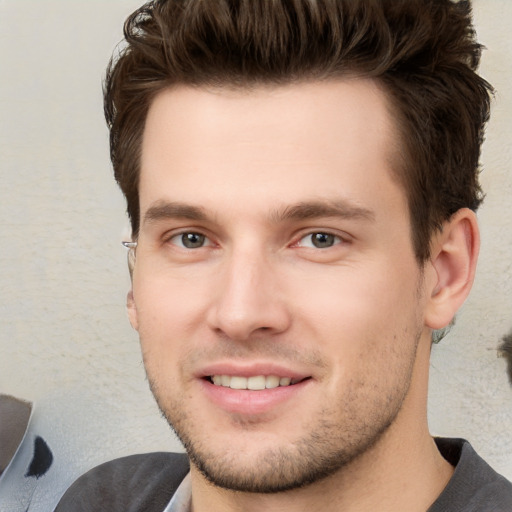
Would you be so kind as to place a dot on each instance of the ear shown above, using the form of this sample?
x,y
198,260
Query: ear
x,y
454,254
132,310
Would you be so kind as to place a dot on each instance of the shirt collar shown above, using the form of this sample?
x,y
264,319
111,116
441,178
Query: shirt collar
x,y
182,498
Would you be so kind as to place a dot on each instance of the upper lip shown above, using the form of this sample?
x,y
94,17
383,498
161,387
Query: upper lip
x,y
250,369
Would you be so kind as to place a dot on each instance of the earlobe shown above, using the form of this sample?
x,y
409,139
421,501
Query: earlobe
x,y
132,310
454,256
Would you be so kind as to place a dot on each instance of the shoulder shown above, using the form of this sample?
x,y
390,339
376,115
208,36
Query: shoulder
x,y
475,486
129,484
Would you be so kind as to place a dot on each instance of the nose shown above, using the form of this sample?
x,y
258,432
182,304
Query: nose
x,y
248,299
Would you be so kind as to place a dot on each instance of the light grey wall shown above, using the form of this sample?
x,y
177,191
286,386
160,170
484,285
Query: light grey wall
x,y
65,342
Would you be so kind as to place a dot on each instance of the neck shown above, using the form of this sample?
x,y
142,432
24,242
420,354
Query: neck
x,y
403,471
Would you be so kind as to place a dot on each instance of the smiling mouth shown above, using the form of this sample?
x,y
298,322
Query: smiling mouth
x,y
254,383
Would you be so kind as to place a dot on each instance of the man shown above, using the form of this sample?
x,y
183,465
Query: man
x,y
302,181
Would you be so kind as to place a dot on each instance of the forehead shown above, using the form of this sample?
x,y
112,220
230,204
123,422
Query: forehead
x,y
277,143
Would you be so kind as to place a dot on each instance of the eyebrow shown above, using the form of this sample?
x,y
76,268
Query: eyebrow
x,y
163,210
173,210
315,209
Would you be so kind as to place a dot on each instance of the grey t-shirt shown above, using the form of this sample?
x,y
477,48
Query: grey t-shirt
x,y
146,483
474,486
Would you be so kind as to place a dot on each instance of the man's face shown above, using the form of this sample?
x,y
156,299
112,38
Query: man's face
x,y
275,254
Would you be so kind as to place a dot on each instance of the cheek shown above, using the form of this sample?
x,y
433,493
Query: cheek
x,y
162,318
360,315
360,295
167,304
172,310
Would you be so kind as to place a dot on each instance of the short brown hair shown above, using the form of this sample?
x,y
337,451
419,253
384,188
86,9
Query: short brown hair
x,y
423,52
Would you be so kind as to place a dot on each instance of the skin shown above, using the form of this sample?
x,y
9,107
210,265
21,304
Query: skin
x,y
262,174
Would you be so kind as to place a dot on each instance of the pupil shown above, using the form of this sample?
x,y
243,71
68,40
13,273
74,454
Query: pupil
x,y
321,240
192,240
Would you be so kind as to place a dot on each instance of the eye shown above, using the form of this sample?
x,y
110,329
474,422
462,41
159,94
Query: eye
x,y
319,240
190,240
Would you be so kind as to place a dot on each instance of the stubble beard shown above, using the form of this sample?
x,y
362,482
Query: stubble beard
x,y
308,460
327,446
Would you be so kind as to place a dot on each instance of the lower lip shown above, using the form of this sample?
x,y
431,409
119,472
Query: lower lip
x,y
248,402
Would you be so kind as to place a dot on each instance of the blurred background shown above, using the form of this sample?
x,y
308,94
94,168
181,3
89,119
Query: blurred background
x,y
65,342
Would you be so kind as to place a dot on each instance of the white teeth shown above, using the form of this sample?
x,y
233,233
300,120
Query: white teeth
x,y
238,383
272,382
255,383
